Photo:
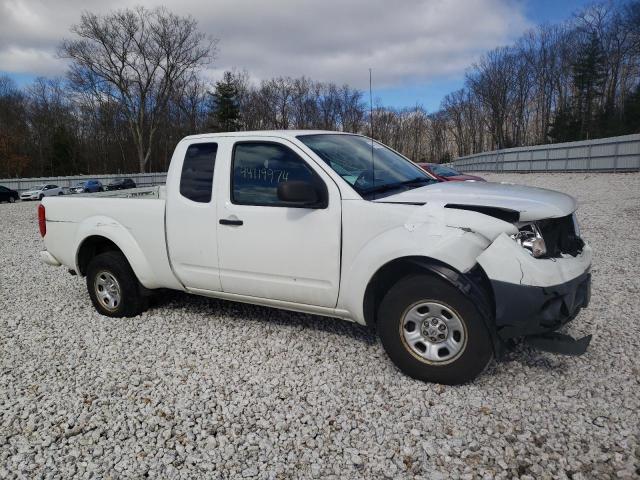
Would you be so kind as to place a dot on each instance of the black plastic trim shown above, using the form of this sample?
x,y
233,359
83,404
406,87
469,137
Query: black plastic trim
x,y
226,221
523,310
475,285
505,214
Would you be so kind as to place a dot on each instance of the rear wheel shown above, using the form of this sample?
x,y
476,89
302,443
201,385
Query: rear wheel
x,y
113,286
433,332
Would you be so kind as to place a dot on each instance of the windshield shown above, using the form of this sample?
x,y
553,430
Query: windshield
x,y
351,158
444,171
38,187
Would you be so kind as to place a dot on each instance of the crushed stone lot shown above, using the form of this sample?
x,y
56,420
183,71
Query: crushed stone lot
x,y
200,388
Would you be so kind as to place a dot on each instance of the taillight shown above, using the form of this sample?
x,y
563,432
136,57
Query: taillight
x,y
42,220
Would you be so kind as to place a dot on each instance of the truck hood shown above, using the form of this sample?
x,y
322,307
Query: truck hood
x,y
532,203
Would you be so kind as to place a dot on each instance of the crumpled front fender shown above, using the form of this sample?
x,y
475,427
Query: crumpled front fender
x,y
450,236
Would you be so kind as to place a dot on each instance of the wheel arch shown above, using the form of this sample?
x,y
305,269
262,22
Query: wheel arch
x,y
92,246
100,235
474,284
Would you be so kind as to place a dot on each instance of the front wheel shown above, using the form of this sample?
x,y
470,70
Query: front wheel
x,y
433,332
41,197
12,199
113,286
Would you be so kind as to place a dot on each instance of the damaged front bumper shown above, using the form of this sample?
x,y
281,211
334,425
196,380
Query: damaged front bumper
x,y
535,297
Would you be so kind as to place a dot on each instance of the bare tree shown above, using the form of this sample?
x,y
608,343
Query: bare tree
x,y
136,57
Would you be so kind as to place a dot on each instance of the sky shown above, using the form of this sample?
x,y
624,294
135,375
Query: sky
x,y
418,49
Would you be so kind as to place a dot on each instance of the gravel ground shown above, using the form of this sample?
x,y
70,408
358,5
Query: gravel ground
x,y
198,387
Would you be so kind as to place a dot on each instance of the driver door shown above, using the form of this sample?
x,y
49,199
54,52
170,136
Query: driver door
x,y
270,249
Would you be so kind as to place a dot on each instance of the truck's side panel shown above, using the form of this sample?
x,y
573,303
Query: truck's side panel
x,y
135,226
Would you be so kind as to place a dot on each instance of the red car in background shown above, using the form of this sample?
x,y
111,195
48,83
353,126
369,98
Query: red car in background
x,y
448,174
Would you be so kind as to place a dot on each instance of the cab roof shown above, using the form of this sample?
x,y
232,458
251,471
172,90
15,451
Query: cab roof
x,y
266,133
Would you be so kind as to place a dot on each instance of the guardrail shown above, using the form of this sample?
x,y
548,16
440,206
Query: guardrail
x,y
614,154
141,179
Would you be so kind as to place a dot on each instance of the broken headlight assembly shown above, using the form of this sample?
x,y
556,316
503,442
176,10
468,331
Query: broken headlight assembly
x,y
530,238
576,227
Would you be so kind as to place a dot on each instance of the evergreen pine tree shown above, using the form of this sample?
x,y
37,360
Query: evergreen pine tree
x,y
225,112
565,127
62,152
589,76
632,112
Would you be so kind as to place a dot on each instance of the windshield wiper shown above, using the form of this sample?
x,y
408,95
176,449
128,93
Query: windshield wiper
x,y
395,185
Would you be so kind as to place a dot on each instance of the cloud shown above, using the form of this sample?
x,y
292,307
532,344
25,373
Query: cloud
x,y
332,40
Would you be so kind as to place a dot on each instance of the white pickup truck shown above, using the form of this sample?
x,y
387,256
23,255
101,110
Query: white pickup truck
x,y
450,274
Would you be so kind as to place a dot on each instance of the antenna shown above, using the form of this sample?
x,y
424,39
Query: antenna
x,y
373,171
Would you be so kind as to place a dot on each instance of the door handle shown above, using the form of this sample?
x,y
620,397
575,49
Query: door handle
x,y
227,221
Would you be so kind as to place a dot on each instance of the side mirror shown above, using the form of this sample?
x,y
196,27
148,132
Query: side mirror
x,y
301,193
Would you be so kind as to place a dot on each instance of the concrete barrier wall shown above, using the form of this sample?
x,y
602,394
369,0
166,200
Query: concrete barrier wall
x,y
614,154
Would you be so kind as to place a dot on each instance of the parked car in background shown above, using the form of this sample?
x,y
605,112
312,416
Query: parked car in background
x,y
121,184
8,195
77,188
40,191
448,174
89,186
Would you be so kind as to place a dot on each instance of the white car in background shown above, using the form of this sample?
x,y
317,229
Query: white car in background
x,y
40,191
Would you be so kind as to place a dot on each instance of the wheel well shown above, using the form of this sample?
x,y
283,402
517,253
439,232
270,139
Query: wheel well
x,y
92,246
475,283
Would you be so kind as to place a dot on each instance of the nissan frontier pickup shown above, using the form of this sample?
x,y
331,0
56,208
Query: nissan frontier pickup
x,y
448,274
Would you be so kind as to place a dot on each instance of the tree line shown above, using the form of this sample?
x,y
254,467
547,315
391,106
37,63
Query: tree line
x,y
134,88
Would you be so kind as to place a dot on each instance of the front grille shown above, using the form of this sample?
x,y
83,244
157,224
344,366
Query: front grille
x,y
560,236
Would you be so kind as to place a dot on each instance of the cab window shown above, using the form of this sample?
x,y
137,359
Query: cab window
x,y
259,167
196,181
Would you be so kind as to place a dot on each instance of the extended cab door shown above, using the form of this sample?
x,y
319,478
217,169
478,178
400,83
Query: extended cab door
x,y
271,249
191,217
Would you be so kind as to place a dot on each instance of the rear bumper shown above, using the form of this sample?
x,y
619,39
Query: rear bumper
x,y
49,259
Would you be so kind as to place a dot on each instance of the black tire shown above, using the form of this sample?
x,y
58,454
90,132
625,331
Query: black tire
x,y
131,302
40,197
411,291
12,199
60,193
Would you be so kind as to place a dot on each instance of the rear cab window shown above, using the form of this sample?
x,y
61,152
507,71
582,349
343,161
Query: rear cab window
x,y
196,180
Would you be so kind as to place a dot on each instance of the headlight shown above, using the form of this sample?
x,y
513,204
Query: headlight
x,y
529,237
576,227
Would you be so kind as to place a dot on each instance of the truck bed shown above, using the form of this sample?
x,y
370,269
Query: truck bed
x,y
137,227
158,193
